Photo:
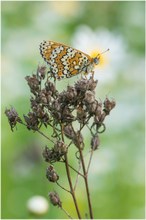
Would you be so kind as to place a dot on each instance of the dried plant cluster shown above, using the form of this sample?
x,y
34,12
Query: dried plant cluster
x,y
67,113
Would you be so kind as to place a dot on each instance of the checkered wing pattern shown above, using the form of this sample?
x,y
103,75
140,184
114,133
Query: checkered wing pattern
x,y
64,61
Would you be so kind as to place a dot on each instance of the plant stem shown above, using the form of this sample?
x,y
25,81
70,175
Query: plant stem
x,y
62,187
40,133
77,177
45,136
69,178
91,154
86,183
77,171
66,213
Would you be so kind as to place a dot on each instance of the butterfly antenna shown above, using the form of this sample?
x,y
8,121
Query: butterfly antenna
x,y
105,51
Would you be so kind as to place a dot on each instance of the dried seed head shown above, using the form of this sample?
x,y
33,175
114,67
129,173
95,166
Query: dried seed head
x,y
31,121
89,97
95,142
51,156
98,109
54,199
66,115
109,105
81,114
56,110
33,83
49,86
71,94
78,140
81,85
43,97
92,84
41,71
62,97
60,148
92,108
47,154
102,117
13,117
49,107
51,174
69,131
56,106
45,119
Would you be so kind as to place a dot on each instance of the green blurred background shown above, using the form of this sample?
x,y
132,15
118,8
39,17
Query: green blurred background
x,y
117,172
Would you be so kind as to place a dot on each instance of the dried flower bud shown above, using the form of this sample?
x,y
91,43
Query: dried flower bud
x,y
33,102
31,121
13,117
98,109
41,71
38,111
45,119
92,84
69,131
62,97
108,105
81,114
95,142
56,105
71,94
54,199
60,148
66,115
51,174
89,97
81,85
102,117
50,87
92,108
43,97
33,83
54,154
56,110
78,140
47,154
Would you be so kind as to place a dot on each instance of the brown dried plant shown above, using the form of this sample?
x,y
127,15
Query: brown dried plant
x,y
67,113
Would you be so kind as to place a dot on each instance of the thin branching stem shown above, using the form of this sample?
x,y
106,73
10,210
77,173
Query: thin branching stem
x,y
69,177
77,171
86,182
40,132
91,154
62,187
80,174
66,213
76,182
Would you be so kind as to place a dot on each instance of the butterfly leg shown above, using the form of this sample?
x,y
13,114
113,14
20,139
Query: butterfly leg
x,y
92,72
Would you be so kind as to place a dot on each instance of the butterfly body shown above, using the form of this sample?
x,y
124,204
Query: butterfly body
x,y
65,61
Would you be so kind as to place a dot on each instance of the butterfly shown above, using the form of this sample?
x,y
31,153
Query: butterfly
x,y
65,61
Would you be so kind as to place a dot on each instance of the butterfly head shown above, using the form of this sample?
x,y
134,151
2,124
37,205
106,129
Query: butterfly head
x,y
96,60
98,57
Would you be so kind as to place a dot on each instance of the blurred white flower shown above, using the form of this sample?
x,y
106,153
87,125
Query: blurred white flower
x,y
38,205
97,41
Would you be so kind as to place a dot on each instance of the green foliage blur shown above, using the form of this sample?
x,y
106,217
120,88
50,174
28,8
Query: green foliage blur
x,y
117,171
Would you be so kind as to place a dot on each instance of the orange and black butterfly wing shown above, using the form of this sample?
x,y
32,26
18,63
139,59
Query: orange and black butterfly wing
x,y
64,61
